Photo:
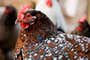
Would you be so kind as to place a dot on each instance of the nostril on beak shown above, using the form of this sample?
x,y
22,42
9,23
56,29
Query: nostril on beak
x,y
32,21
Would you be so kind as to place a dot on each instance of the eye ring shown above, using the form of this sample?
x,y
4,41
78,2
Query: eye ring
x,y
28,15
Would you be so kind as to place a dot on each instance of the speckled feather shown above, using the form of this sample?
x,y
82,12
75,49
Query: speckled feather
x,y
42,42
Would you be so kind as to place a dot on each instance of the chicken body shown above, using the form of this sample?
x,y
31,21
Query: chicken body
x,y
41,41
8,31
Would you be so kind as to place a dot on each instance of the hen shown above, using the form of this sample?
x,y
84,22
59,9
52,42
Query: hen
x,y
41,41
8,30
83,28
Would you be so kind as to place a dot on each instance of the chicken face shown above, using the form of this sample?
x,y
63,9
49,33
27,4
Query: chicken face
x,y
36,21
27,20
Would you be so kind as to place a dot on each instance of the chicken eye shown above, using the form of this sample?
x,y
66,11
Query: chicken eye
x,y
28,15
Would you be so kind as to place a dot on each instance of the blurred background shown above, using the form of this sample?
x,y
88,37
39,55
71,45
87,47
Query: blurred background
x,y
72,11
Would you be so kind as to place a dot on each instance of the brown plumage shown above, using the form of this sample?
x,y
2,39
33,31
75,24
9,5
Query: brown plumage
x,y
41,41
42,25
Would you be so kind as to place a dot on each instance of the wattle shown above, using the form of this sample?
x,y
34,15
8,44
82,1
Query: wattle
x,y
24,25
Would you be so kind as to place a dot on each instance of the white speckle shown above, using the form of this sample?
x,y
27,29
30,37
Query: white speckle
x,y
29,59
61,35
76,45
78,40
81,58
82,45
60,57
70,36
47,48
30,55
41,56
50,54
81,41
60,45
54,58
72,49
56,52
52,38
24,34
56,40
48,41
83,49
36,44
75,57
35,54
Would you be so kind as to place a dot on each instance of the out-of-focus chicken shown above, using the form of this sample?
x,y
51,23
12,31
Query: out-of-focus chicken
x,y
8,30
53,10
83,28
41,41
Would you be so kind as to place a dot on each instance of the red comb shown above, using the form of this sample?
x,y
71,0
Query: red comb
x,y
82,19
49,3
21,15
21,12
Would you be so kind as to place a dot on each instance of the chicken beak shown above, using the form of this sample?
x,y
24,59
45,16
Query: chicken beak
x,y
32,20
17,21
